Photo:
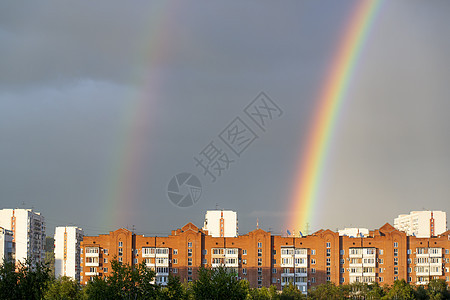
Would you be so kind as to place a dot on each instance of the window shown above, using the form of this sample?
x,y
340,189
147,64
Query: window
x,y
105,260
342,279
244,271
395,261
120,259
380,279
244,252
259,245
342,261
313,261
395,270
381,261
328,252
447,251
189,271
135,261
120,244
274,261
175,251
409,270
259,252
259,261
120,251
408,251
189,278
190,261
204,261
244,261
189,244
328,270
105,270
175,270
395,244
381,251
328,262
175,261
313,279
313,251
342,252
189,252
274,252
328,244
342,270
274,280
105,251
205,251
313,270
259,271
395,252
328,278
274,271
381,270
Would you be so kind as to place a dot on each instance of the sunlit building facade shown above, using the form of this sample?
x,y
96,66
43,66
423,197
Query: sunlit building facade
x,y
383,255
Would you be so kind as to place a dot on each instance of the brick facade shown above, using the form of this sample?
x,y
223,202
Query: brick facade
x,y
264,259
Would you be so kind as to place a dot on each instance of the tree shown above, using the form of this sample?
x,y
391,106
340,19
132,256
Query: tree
x,y
219,283
437,289
400,290
174,289
63,288
125,282
26,281
259,294
327,291
291,292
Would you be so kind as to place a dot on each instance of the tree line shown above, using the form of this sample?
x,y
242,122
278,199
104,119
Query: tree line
x,y
35,281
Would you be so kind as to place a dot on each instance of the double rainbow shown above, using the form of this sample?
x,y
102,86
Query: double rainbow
x,y
332,95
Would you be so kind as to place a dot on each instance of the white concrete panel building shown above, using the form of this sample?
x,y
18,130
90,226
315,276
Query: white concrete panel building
x,y
221,223
67,251
423,224
28,229
7,249
354,232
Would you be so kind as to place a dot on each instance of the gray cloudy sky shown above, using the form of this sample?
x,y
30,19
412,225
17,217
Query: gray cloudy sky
x,y
101,103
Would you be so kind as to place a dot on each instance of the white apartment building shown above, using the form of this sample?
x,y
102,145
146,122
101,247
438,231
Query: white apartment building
x,y
354,232
423,224
7,249
221,223
28,229
67,251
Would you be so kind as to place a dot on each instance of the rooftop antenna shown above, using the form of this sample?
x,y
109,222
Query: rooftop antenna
x,y
257,223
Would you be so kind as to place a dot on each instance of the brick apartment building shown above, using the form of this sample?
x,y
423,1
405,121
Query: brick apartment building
x,y
382,256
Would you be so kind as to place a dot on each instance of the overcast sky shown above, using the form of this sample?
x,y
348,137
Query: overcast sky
x,y
102,103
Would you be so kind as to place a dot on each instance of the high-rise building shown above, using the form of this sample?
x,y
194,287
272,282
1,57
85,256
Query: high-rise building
x,y
67,251
7,247
221,223
28,229
382,256
422,223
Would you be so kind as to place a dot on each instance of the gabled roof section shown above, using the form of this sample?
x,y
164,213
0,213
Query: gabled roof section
x,y
387,228
257,231
190,226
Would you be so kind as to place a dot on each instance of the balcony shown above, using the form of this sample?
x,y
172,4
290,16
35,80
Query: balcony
x,y
91,273
92,264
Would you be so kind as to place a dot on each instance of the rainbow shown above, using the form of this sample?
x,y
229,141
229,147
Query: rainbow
x,y
332,95
121,192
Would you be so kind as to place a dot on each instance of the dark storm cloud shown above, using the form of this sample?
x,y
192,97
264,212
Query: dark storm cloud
x,y
70,74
